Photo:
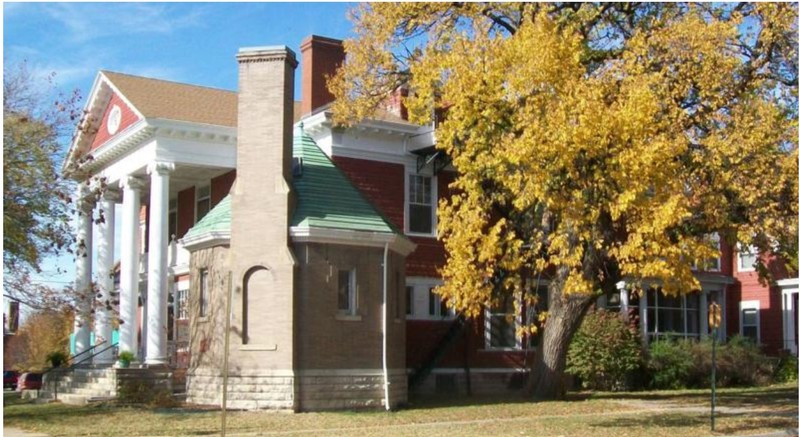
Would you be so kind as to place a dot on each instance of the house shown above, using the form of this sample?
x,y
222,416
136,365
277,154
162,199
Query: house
x,y
320,242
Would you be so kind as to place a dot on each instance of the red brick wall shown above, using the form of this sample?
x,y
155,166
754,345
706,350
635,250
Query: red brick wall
x,y
185,211
382,183
221,186
128,118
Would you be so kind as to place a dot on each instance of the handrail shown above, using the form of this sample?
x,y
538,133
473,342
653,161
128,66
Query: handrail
x,y
74,365
438,352
72,358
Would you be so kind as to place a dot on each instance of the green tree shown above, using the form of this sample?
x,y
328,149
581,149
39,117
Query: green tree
x,y
36,199
593,142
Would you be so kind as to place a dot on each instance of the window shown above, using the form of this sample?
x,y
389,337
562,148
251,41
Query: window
x,y
710,264
181,300
672,316
203,295
436,306
409,300
422,303
501,325
420,204
748,255
203,204
347,292
172,220
750,320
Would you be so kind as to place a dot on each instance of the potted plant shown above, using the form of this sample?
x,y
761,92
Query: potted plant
x,y
125,358
56,358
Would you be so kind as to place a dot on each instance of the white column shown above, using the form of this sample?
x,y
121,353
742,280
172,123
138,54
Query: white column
x,y
157,291
83,272
129,265
105,276
643,316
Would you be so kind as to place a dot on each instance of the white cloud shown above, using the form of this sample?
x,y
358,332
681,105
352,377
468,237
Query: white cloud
x,y
89,21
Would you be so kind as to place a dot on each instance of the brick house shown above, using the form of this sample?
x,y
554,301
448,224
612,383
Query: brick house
x,y
310,229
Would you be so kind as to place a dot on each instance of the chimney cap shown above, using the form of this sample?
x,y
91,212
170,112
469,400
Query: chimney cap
x,y
267,52
316,39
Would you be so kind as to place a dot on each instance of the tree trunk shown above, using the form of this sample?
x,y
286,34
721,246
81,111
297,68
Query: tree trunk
x,y
565,314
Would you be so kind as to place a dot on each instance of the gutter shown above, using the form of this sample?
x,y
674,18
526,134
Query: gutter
x,y
385,328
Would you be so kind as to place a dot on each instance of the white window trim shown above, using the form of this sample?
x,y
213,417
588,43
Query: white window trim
x,y
739,252
487,331
421,285
651,328
750,305
434,202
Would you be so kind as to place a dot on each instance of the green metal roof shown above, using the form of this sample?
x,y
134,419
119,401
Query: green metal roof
x,y
325,198
217,220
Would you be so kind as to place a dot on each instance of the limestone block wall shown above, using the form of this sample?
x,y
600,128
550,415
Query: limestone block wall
x,y
247,389
349,389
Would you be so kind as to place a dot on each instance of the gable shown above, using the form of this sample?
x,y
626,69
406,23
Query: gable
x,y
124,117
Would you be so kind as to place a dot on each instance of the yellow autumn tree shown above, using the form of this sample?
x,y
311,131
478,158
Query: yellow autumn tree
x,y
593,142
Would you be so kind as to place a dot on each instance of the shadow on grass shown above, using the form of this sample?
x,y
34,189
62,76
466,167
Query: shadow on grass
x,y
725,424
764,396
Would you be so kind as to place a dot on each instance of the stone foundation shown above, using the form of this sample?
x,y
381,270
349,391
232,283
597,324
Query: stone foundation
x,y
310,390
481,382
350,389
252,390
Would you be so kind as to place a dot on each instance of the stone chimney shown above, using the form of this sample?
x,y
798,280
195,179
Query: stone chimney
x,y
321,57
261,261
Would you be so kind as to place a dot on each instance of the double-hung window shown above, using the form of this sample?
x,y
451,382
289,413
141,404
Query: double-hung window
x,y
347,296
501,325
181,300
748,255
203,203
750,320
421,203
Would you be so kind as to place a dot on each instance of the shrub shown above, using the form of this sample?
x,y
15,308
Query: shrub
x,y
56,358
604,351
669,364
126,357
741,363
786,370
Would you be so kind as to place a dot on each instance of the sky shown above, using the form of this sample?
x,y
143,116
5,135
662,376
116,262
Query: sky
x,y
186,42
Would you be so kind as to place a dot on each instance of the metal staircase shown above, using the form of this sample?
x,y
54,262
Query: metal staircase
x,y
453,333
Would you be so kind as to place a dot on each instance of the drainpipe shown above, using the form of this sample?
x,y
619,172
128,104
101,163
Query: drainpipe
x,y
385,328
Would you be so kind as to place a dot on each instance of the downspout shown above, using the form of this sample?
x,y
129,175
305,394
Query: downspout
x,y
385,327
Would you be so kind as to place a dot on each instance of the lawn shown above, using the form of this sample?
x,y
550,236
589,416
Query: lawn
x,y
669,414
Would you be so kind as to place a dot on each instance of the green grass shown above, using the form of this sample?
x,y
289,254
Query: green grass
x,y
662,413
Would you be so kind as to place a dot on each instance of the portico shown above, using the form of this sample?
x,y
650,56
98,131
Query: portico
x,y
143,142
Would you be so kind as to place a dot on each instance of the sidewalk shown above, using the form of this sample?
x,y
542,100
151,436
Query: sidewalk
x,y
15,432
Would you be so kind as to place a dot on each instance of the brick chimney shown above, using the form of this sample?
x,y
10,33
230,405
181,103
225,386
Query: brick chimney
x,y
321,57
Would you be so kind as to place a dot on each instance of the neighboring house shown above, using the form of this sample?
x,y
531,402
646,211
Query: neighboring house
x,y
323,237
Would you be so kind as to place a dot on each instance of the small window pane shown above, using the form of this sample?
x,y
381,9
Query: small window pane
x,y
409,300
420,218
345,297
750,332
749,317
502,333
203,293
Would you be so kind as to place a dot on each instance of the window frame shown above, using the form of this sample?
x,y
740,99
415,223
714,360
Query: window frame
x,y
516,321
750,305
182,303
420,293
434,195
740,250
352,293
706,262
198,199
652,329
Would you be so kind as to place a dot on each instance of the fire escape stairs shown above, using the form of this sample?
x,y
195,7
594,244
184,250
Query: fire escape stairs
x,y
453,333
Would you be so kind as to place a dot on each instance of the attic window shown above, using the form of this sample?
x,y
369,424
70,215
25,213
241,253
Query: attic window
x,y
297,167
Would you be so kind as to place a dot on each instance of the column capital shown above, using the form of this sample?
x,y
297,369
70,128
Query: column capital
x,y
160,167
131,183
111,195
85,201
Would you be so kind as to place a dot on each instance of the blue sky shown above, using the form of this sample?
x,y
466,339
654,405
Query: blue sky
x,y
185,42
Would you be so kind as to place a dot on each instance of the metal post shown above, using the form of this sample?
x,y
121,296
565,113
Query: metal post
x,y
713,374
227,351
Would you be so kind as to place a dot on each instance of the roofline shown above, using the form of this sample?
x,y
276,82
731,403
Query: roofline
x,y
205,240
397,243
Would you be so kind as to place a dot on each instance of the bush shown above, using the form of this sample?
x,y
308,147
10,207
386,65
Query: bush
x,y
605,351
786,371
56,358
674,364
669,364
